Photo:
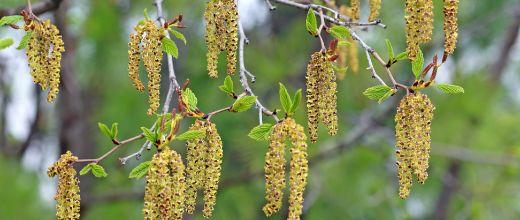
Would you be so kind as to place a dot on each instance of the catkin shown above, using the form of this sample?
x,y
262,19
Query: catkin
x,y
413,121
204,167
67,197
221,34
375,5
450,25
355,7
44,53
287,130
165,186
321,95
419,24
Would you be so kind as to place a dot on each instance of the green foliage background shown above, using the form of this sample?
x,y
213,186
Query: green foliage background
x,y
358,183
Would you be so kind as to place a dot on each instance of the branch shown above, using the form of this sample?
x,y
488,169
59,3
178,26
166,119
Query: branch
x,y
38,8
115,148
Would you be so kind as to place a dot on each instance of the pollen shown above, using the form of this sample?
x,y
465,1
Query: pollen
x,y
450,25
67,197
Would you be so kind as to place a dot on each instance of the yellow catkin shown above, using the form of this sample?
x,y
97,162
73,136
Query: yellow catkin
x,y
44,53
353,55
149,35
450,25
204,156
67,197
221,34
165,186
354,10
413,121
287,130
321,95
419,24
375,5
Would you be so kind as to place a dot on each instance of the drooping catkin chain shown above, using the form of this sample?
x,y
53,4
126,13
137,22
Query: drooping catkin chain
x,y
375,5
287,130
413,122
148,36
221,34
67,197
44,52
204,167
419,24
165,186
321,95
450,11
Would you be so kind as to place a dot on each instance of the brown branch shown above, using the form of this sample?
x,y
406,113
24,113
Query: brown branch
x,y
38,8
509,41
115,148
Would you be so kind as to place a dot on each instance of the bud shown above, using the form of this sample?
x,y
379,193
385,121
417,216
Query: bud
x,y
67,197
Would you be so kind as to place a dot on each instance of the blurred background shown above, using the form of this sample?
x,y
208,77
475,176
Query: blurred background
x,y
475,162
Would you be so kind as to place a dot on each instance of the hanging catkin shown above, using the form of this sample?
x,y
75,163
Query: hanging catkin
x,y
419,24
413,121
375,5
321,95
450,25
67,198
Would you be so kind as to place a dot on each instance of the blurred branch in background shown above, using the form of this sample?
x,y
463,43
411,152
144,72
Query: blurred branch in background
x,y
508,43
37,8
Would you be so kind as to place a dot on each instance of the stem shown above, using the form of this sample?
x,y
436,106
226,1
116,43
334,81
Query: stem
x,y
217,111
322,25
121,143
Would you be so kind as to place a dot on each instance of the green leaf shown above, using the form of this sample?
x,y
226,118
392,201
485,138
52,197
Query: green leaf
x,y
339,32
297,98
104,129
386,95
6,42
140,170
192,134
417,64
285,98
401,56
343,43
390,49
114,130
170,47
376,92
149,135
85,169
25,40
98,170
261,132
7,20
311,23
450,89
189,98
228,85
177,34
145,13
243,103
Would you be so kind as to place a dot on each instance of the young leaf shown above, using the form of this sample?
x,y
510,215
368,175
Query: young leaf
x,y
98,170
243,103
149,135
177,34
261,132
386,95
192,134
189,98
85,169
7,20
417,64
401,56
140,170
104,129
296,101
25,40
311,23
170,47
339,32
450,89
285,98
390,49
114,130
343,43
228,83
6,42
145,13
376,92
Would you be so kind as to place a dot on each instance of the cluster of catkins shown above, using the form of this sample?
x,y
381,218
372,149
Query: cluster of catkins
x,y
221,34
146,43
321,95
165,186
44,49
204,159
287,130
419,25
413,122
67,198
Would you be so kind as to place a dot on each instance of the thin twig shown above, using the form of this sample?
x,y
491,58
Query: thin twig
x,y
121,143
